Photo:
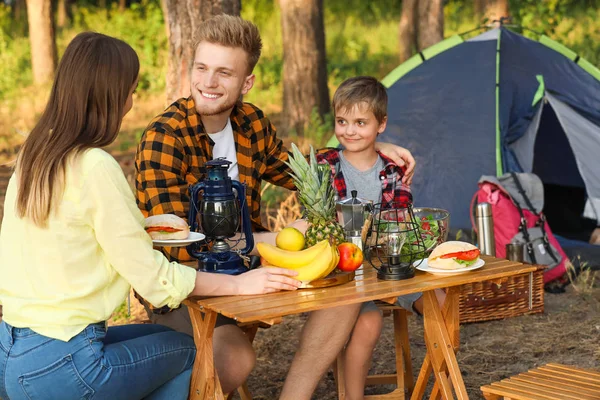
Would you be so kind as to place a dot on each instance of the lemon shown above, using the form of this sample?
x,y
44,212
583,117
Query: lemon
x,y
290,239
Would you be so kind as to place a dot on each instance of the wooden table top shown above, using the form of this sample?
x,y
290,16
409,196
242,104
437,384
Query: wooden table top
x,y
365,287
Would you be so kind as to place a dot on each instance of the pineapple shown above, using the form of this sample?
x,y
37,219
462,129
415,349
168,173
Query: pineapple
x,y
316,194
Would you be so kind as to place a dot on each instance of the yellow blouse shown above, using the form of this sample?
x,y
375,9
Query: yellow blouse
x,y
78,270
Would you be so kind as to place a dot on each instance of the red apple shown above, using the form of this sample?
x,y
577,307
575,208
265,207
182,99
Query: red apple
x,y
351,257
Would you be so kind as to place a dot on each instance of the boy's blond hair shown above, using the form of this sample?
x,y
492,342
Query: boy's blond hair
x,y
231,31
362,89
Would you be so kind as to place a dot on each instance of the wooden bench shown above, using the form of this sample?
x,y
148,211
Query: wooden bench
x,y
404,381
549,382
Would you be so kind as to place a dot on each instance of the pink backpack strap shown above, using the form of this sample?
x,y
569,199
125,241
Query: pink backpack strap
x,y
472,208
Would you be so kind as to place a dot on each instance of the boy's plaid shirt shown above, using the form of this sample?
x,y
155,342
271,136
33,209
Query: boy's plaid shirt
x,y
174,148
392,188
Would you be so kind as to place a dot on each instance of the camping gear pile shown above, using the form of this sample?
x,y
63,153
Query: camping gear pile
x,y
517,201
495,103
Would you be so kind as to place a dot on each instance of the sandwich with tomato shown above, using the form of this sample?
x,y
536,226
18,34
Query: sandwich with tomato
x,y
453,255
167,227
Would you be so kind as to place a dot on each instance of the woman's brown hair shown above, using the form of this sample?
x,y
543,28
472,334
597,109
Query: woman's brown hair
x,y
93,81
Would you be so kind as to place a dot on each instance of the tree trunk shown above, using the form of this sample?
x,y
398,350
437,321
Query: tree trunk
x,y
41,36
478,8
431,23
304,62
63,13
165,11
408,29
183,17
492,10
18,6
122,5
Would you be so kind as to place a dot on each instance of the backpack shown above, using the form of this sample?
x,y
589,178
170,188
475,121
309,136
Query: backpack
x,y
517,201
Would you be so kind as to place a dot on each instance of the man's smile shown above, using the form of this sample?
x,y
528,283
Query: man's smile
x,y
211,96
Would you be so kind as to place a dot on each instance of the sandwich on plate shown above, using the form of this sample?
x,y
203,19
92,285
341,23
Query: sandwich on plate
x,y
453,255
167,227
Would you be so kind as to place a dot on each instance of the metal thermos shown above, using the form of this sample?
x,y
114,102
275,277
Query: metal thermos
x,y
485,229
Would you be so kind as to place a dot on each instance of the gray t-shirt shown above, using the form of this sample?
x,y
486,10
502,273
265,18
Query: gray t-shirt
x,y
366,183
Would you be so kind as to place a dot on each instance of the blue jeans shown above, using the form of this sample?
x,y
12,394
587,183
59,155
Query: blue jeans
x,y
127,362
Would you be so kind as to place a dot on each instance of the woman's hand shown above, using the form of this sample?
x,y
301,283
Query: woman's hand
x,y
401,157
266,280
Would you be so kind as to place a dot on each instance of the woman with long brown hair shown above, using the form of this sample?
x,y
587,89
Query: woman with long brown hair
x,y
72,242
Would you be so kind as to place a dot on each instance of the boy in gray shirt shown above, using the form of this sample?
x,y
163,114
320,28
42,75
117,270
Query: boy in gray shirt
x,y
360,106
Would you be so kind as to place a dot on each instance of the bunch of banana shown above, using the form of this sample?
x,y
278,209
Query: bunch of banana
x,y
313,263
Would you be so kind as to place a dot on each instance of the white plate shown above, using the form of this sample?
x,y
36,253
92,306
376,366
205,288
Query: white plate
x,y
426,268
193,237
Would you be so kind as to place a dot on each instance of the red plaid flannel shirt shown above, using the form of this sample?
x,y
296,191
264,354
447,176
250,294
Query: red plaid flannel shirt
x,y
392,188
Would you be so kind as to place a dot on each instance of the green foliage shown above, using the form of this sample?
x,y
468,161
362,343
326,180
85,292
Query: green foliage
x,y
272,195
141,25
122,314
370,12
318,130
573,23
15,64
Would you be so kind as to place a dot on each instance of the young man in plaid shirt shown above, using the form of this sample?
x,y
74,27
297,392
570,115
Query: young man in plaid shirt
x,y
212,123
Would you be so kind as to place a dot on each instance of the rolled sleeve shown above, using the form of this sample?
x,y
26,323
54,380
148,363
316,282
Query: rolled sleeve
x,y
178,291
118,226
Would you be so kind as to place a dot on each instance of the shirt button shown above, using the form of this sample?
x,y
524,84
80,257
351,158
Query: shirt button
x,y
164,282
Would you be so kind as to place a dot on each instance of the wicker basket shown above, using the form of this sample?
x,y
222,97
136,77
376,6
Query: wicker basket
x,y
516,295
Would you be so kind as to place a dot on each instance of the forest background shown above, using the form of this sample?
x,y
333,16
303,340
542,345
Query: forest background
x,y
359,38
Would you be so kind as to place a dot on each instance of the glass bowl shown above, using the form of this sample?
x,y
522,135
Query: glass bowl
x,y
433,225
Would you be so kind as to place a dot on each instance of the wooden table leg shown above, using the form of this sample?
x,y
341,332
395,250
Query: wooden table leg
x,y
442,338
205,383
424,374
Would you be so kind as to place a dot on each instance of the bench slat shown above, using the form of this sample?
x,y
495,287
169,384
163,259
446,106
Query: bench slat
x,y
565,379
549,382
572,370
514,393
555,392
568,376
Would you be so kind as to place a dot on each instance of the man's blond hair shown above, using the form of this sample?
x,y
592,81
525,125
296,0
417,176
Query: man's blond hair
x,y
359,91
231,31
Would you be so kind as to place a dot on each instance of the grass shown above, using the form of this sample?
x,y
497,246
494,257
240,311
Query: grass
x,y
582,278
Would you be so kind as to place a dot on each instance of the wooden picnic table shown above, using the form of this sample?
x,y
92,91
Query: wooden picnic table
x,y
441,324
